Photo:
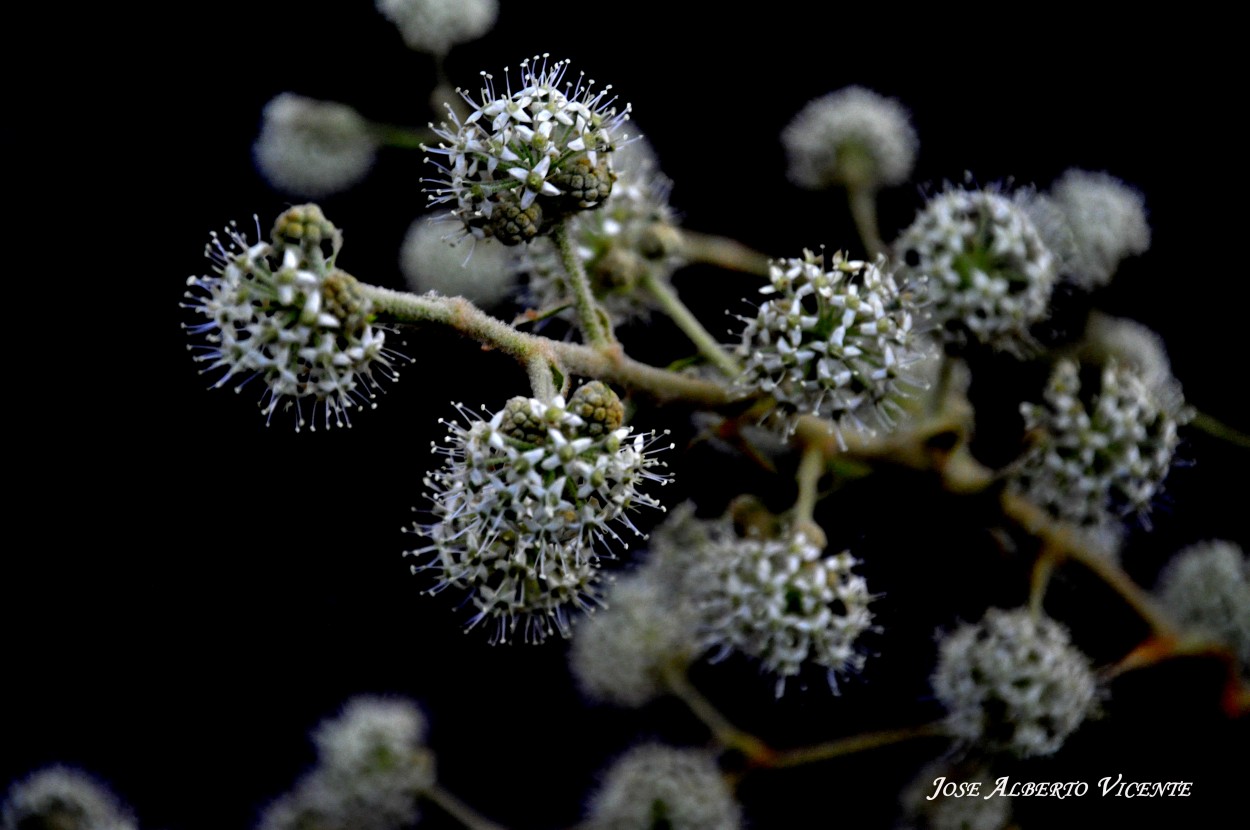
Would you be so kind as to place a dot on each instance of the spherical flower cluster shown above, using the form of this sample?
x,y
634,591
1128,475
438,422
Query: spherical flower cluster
x,y
1206,587
313,148
60,797
655,786
850,137
1108,222
1013,683
989,273
525,159
282,312
838,343
524,498
630,238
1098,456
619,654
434,26
478,270
779,600
1139,348
372,765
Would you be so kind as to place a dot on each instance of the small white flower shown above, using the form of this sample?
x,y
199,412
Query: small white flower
x,y
630,236
989,274
1014,683
527,503
850,137
1132,344
435,26
58,797
313,148
840,343
478,270
1100,455
1206,587
283,313
1108,222
524,158
779,600
658,786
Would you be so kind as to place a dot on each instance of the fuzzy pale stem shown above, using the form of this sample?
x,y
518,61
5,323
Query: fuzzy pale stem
x,y
1219,429
609,363
589,315
863,202
723,253
458,810
728,735
853,744
811,467
542,381
690,325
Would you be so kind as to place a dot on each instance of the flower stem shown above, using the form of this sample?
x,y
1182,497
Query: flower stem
x,y
728,735
863,202
1219,429
690,325
405,138
608,363
542,381
458,810
811,467
723,253
852,744
589,315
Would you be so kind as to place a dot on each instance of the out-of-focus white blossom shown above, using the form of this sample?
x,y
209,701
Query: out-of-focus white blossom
x,y
478,270
311,148
850,137
435,26
659,786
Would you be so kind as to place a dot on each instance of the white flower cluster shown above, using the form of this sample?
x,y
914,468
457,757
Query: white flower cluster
x,y
1101,456
854,137
283,313
654,786
1108,222
921,811
779,600
630,236
838,343
620,653
478,270
989,274
313,148
1012,683
1206,587
434,26
1139,348
524,159
61,797
372,765
526,501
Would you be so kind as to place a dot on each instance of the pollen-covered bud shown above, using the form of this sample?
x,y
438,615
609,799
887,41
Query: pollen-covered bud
x,y
512,225
600,407
522,422
306,228
585,185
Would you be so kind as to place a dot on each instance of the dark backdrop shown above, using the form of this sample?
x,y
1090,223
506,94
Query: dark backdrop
x,y
187,592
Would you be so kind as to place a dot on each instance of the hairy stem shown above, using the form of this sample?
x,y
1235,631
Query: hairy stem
x,y
589,316
852,744
723,253
728,735
607,363
690,325
457,809
863,202
1219,429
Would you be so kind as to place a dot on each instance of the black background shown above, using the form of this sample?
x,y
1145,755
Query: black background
x,y
187,592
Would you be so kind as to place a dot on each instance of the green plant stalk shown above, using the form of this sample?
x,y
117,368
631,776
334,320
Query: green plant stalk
x,y
608,363
672,305
589,315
